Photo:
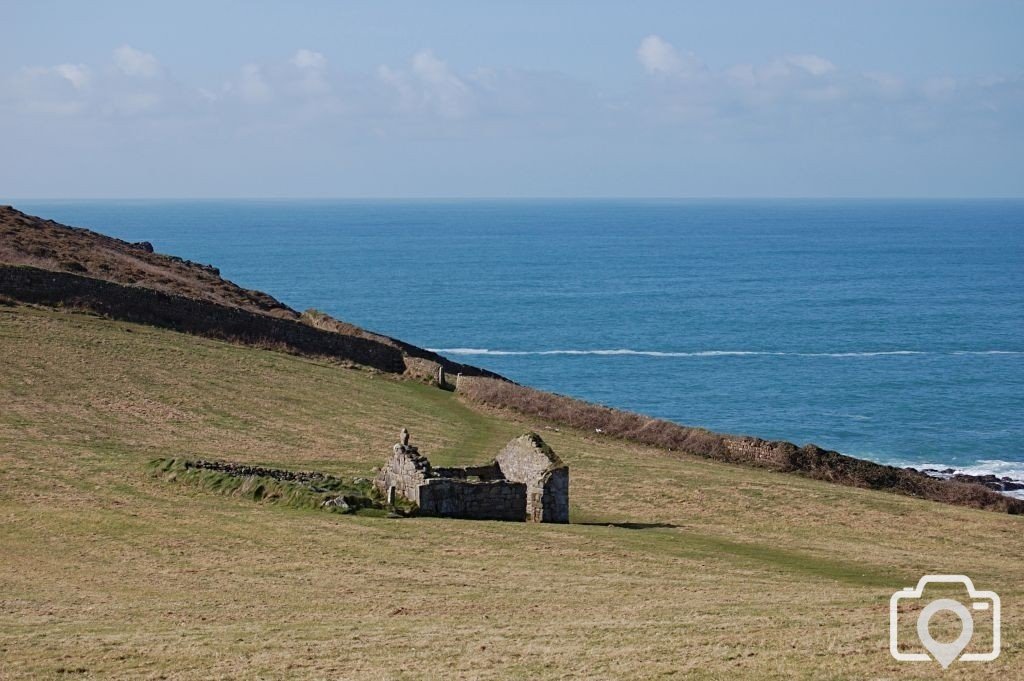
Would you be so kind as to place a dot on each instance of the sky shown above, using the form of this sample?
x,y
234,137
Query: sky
x,y
512,99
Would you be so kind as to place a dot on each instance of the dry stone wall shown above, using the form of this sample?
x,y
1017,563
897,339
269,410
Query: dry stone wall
x,y
753,450
144,305
490,500
191,315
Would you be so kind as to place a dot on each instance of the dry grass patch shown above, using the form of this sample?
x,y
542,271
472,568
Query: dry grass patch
x,y
712,571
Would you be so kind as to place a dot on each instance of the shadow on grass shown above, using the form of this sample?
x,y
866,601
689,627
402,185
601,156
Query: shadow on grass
x,y
631,526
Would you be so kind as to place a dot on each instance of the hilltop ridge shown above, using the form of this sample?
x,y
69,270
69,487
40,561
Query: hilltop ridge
x,y
75,253
49,245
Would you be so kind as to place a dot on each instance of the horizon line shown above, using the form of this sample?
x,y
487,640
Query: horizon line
x,y
10,200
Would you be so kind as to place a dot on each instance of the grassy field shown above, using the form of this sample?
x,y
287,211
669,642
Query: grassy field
x,y
673,566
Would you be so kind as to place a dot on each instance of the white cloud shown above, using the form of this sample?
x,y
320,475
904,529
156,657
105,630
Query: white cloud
x,y
253,86
60,90
801,91
429,68
308,59
312,67
811,63
788,94
778,71
658,56
430,85
446,91
79,75
134,62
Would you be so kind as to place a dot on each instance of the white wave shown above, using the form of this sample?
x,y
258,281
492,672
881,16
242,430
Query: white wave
x,y
860,354
621,351
988,352
996,467
710,353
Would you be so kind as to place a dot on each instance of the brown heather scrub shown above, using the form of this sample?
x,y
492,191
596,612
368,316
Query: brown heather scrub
x,y
35,242
586,416
809,460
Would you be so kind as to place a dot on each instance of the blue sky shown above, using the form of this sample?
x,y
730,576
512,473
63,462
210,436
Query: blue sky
x,y
415,99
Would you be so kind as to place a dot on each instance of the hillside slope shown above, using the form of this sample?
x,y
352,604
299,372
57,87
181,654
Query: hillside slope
x,y
673,565
46,263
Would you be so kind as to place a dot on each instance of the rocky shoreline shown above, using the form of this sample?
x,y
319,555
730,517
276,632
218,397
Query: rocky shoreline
x,y
1004,484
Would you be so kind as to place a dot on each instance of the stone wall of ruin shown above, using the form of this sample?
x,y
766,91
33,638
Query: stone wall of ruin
x,y
528,460
494,500
486,472
406,471
555,499
527,481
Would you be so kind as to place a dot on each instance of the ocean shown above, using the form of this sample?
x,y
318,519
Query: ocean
x,y
888,330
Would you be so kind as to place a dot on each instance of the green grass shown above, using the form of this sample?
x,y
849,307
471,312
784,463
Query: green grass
x,y
674,567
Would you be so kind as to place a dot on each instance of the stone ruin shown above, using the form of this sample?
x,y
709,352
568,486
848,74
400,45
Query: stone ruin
x,y
525,481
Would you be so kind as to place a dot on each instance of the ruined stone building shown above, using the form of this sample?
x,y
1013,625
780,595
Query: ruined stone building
x,y
525,481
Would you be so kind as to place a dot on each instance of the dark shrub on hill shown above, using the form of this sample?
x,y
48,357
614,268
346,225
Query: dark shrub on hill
x,y
810,460
585,416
